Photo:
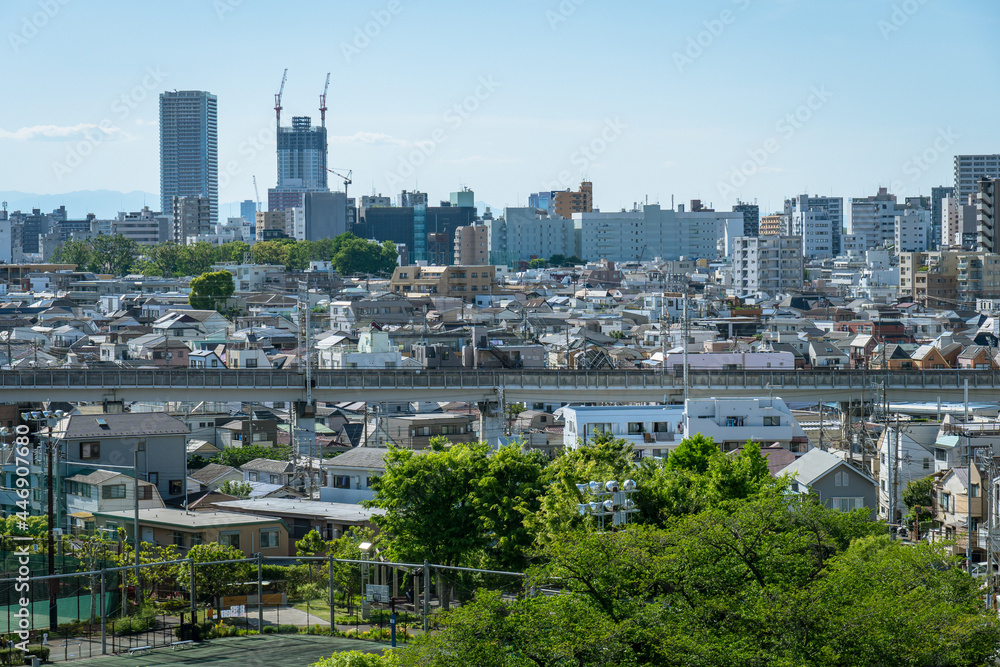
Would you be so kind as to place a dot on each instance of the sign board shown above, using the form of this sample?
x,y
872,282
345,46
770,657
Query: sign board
x,y
236,611
377,593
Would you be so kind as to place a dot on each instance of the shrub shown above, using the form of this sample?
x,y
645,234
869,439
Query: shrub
x,y
132,625
287,629
14,656
358,659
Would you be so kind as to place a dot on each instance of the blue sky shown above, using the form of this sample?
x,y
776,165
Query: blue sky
x,y
716,99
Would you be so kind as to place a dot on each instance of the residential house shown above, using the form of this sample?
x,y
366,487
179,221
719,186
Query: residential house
x,y
730,422
214,475
104,491
268,471
653,430
330,520
837,484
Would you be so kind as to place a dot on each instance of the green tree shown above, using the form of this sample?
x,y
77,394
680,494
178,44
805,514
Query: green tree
x,y
919,493
233,488
196,259
537,264
694,454
74,252
209,291
113,254
236,457
212,579
270,252
166,257
153,575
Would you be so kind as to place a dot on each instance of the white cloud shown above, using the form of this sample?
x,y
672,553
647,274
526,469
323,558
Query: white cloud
x,y
368,139
60,133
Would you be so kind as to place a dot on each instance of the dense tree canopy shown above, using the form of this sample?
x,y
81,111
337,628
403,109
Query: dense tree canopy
x,y
349,254
210,291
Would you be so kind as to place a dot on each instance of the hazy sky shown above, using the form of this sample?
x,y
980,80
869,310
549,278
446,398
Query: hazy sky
x,y
716,99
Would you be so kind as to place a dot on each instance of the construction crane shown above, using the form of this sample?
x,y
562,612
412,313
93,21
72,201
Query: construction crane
x,y
322,101
347,178
257,193
277,98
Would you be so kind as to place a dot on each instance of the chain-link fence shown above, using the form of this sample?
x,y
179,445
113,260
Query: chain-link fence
x,y
126,609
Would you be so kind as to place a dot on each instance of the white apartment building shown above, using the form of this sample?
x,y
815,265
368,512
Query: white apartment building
x,y
769,264
874,218
295,223
969,169
816,230
958,220
730,422
144,227
653,430
374,350
832,206
913,231
986,215
654,232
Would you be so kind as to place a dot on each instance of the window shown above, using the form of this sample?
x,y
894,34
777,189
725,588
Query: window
x,y
940,454
250,363
927,463
773,420
661,427
113,491
145,493
90,450
176,487
269,538
848,504
371,480
597,428
841,479
974,490
178,539
635,428
734,421
252,476
153,477
230,538
341,482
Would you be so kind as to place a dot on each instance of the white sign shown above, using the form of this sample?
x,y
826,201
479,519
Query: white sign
x,y
236,611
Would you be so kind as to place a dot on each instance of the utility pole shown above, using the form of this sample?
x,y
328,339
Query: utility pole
x,y
687,335
891,514
822,447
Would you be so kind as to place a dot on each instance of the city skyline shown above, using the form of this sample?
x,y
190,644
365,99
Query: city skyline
x,y
645,100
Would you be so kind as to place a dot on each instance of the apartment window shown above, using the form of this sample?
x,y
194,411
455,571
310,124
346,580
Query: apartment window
x,y
153,477
230,538
113,491
370,480
269,538
662,427
341,482
940,454
145,493
90,450
178,539
635,428
974,490
252,476
927,463
598,428
176,487
841,479
734,421
772,421
250,363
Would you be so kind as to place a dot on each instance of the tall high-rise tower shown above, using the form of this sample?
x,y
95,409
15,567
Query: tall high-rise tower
x,y
301,164
189,148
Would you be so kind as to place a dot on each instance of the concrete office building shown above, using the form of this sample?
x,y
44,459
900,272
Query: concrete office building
x,y
464,197
189,148
248,210
769,264
751,218
147,227
986,215
938,195
524,233
875,218
815,229
958,223
191,216
6,255
654,232
970,169
271,225
914,231
832,206
949,278
325,215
